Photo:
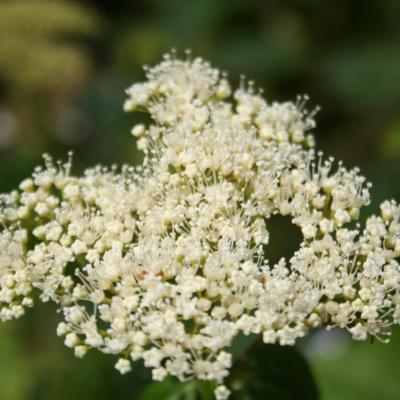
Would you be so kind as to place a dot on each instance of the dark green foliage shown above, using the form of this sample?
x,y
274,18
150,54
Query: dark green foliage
x,y
272,372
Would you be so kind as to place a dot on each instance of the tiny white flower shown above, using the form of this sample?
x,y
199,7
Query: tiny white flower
x,y
123,366
222,393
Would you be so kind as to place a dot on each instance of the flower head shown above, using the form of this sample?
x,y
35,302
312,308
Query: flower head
x,y
168,262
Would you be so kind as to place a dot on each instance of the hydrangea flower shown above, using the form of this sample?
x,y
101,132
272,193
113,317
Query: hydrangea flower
x,y
168,261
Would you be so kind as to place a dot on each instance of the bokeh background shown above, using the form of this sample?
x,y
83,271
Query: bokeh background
x,y
64,66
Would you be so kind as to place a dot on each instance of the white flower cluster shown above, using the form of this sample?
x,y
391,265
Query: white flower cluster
x,y
168,262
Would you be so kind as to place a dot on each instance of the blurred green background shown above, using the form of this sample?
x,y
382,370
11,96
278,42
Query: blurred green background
x,y
64,66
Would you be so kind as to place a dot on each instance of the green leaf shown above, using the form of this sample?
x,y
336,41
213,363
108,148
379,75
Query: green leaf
x,y
241,344
170,389
15,379
206,390
262,372
272,372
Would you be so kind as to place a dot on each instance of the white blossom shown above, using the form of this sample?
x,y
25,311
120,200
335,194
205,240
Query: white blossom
x,y
123,366
222,392
168,261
